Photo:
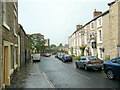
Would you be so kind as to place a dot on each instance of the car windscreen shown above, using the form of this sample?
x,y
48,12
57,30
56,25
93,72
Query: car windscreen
x,y
93,58
67,55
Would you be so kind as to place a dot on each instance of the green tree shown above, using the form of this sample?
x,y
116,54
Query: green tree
x,y
82,48
60,45
37,42
52,45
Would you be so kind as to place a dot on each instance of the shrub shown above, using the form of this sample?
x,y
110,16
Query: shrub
x,y
105,59
77,57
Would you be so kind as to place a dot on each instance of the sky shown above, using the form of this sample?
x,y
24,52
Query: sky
x,y
57,19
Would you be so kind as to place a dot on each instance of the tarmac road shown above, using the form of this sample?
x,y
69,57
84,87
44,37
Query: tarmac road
x,y
65,75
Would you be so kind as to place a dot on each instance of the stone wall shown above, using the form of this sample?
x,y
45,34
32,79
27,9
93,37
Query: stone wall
x,y
106,35
113,12
0,44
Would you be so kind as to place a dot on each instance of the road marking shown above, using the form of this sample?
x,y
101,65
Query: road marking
x,y
81,75
50,83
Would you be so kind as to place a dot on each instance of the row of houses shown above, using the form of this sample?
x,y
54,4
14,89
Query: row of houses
x,y
100,36
14,43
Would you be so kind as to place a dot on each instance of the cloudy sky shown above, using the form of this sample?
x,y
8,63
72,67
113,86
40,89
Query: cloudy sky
x,y
57,19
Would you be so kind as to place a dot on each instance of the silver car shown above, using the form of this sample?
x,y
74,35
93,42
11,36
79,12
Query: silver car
x,y
36,57
87,62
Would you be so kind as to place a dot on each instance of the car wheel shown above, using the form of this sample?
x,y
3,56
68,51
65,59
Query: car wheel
x,y
86,68
76,65
100,69
110,74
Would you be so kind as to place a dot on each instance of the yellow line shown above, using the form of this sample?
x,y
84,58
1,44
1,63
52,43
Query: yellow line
x,y
50,83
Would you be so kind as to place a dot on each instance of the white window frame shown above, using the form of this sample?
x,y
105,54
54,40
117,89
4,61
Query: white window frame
x,y
98,36
15,26
100,53
15,6
92,26
5,16
98,22
85,35
15,57
80,41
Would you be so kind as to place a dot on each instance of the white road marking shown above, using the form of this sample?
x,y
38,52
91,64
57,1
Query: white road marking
x,y
81,75
50,83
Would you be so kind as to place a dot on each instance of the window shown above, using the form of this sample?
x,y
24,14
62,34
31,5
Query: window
x,y
99,22
4,13
5,16
15,27
15,56
116,60
101,54
99,36
92,25
83,58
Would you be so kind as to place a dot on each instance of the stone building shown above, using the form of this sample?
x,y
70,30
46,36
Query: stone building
x,y
10,47
24,43
100,35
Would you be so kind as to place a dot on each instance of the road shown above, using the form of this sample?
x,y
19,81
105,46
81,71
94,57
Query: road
x,y
65,75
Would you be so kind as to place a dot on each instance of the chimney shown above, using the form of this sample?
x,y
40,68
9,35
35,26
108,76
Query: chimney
x,y
96,13
78,27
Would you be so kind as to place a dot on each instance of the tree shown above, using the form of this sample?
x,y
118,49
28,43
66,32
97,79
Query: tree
x,y
82,48
60,45
37,42
52,45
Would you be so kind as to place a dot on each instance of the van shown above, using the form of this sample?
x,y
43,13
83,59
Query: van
x,y
36,57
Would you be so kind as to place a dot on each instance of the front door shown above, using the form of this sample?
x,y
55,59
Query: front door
x,y
5,66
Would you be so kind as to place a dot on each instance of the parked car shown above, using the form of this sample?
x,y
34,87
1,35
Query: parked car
x,y
47,54
67,58
56,55
36,57
112,68
87,62
60,56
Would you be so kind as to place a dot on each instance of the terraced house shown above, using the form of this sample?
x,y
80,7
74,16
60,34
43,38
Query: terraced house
x,y
10,42
100,36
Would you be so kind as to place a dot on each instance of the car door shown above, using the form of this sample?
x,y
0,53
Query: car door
x,y
116,67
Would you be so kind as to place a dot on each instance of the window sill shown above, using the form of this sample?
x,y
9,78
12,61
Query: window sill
x,y
15,34
11,72
6,26
99,26
92,29
100,42
15,66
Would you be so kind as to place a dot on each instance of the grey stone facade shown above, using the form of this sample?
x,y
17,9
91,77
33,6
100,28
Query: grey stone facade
x,y
10,42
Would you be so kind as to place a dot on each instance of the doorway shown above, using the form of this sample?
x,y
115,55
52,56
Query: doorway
x,y
6,66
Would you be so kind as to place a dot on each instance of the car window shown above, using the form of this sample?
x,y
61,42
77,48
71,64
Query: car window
x,y
93,58
113,60
83,58
118,60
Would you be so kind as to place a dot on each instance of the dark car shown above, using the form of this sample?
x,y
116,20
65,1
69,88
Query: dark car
x,y
112,68
87,62
67,58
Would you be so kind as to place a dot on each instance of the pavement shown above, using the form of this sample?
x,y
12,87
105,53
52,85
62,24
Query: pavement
x,y
30,76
